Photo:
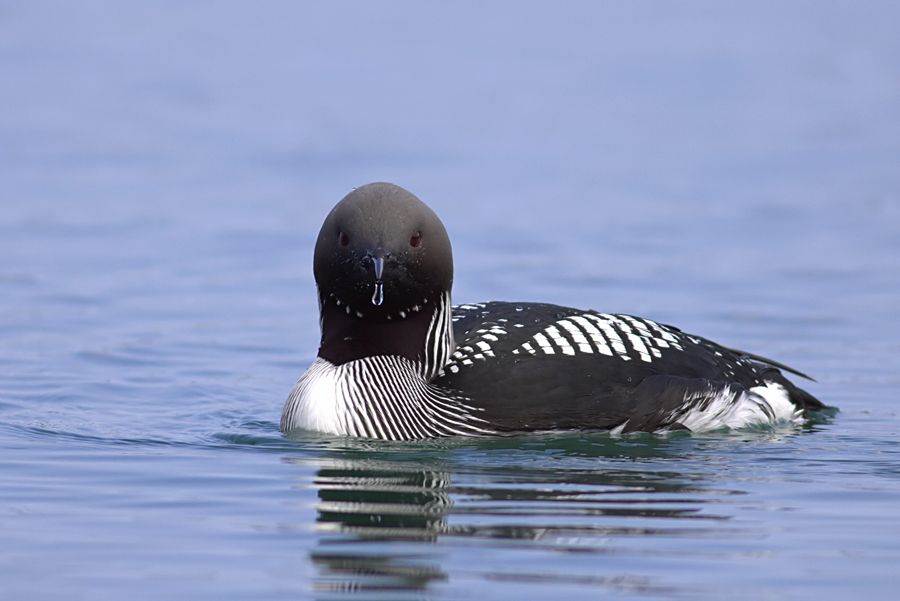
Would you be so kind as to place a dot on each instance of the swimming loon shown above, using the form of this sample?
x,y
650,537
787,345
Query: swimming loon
x,y
398,362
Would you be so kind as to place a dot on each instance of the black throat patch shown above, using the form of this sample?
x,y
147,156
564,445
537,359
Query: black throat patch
x,y
347,337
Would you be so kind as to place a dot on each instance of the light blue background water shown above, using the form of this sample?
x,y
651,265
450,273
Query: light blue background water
x,y
730,168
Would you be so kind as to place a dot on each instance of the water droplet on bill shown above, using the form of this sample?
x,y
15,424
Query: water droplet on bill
x,y
378,295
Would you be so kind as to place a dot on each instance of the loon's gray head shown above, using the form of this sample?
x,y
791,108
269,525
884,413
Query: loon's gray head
x,y
383,264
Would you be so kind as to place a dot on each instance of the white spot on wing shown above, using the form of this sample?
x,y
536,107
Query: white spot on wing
x,y
596,337
614,340
559,340
577,335
544,343
644,327
469,306
637,343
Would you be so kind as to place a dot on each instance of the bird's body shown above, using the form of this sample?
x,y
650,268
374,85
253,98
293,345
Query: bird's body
x,y
398,362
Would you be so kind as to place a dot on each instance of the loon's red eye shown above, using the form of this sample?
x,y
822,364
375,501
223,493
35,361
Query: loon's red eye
x,y
415,239
345,239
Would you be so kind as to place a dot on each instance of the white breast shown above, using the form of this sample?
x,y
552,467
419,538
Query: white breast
x,y
376,397
316,402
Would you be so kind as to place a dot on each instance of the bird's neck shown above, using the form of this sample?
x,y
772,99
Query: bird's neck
x,y
423,337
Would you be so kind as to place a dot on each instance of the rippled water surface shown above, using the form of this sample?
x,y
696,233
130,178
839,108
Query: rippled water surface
x,y
730,169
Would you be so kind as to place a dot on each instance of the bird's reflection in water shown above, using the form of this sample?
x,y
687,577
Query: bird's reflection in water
x,y
369,503
384,502
378,504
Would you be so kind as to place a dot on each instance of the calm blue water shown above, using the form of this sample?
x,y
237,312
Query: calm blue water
x,y
729,168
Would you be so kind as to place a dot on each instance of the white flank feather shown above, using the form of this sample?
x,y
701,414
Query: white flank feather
x,y
760,406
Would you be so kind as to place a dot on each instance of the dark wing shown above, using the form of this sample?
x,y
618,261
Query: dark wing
x,y
542,367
